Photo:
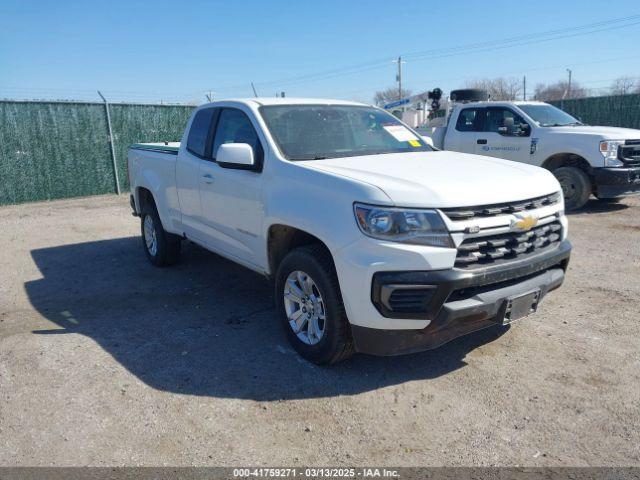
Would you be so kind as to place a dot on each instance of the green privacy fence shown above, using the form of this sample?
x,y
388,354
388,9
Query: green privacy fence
x,y
51,150
614,110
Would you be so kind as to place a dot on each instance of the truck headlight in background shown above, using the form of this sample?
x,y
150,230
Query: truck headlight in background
x,y
413,226
609,150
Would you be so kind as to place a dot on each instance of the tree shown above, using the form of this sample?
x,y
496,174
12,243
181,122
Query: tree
x,y
558,91
389,95
625,85
498,88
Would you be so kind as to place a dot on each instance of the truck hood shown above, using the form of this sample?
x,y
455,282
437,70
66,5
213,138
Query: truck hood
x,y
443,179
603,133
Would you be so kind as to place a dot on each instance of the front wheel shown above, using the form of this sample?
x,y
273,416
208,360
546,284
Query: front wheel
x,y
310,306
576,186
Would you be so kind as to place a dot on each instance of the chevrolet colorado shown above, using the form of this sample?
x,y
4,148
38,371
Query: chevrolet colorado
x,y
375,242
603,161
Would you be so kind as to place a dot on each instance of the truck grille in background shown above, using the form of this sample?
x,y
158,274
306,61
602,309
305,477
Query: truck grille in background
x,y
629,153
464,213
494,249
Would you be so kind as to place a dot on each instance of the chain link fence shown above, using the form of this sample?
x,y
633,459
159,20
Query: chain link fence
x,y
613,111
51,150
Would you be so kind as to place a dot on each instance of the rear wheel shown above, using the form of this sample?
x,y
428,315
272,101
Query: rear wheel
x,y
576,186
310,306
162,248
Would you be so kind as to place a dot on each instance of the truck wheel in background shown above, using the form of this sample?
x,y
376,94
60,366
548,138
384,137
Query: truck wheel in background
x,y
576,186
162,248
310,305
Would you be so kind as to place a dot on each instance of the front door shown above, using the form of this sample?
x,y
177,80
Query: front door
x,y
505,135
230,198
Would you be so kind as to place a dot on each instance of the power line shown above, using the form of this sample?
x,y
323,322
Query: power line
x,y
477,47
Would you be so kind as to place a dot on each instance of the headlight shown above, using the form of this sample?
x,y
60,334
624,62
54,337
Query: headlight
x,y
609,150
417,227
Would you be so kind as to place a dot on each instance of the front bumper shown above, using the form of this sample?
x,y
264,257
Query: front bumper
x,y
463,301
616,181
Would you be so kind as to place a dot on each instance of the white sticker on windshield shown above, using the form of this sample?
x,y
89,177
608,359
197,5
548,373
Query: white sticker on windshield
x,y
400,133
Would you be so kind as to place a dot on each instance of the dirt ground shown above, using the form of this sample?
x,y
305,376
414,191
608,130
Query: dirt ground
x,y
106,360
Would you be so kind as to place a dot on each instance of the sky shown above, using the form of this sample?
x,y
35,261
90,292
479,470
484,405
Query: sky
x,y
169,51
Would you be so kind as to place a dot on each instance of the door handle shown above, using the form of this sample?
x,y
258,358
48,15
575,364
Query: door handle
x,y
481,141
207,178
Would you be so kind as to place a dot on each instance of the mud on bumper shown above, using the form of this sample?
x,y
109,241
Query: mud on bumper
x,y
457,301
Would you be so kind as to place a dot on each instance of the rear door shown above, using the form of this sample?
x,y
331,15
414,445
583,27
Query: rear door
x,y
466,134
231,199
188,166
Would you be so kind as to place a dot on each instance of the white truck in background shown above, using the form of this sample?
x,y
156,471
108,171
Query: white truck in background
x,y
374,241
586,160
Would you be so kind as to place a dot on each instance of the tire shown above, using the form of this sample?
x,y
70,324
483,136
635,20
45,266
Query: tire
x,y
335,343
468,95
167,246
576,186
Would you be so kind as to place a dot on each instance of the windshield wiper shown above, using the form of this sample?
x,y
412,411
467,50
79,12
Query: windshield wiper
x,y
308,157
572,124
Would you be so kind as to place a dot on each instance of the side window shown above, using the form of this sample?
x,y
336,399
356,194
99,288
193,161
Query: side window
x,y
235,127
470,120
199,132
501,117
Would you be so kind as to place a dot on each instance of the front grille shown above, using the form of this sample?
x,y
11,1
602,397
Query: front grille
x,y
629,153
504,247
410,299
465,213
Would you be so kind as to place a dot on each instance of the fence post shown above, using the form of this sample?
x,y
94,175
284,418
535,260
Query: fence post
x,y
113,150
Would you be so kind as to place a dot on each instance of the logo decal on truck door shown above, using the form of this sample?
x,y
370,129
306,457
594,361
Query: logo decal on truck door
x,y
534,145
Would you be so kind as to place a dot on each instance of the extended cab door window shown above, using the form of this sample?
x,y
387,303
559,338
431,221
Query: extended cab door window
x,y
470,120
200,131
468,129
234,126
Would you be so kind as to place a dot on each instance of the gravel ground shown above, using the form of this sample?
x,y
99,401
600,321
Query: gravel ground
x,y
105,360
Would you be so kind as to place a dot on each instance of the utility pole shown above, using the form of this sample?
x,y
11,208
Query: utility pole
x,y
524,88
569,86
399,76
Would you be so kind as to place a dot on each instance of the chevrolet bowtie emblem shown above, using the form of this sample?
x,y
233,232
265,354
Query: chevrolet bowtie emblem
x,y
524,222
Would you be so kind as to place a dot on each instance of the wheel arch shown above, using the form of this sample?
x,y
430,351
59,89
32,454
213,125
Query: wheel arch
x,y
281,239
143,197
567,159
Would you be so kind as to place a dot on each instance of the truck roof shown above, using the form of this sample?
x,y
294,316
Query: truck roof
x,y
289,101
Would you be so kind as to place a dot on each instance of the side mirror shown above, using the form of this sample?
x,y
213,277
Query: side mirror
x,y
235,155
525,129
508,127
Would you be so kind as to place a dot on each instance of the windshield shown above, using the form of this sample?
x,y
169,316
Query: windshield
x,y
316,132
549,116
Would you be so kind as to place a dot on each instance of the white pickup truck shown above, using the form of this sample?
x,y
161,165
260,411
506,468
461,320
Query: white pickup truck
x,y
375,242
603,161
